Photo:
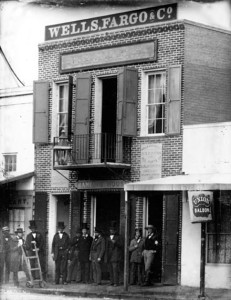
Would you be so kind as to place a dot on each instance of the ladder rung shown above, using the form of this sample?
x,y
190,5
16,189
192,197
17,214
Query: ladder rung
x,y
35,269
32,257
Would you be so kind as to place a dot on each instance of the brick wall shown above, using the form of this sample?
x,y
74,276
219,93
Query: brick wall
x,y
170,52
207,75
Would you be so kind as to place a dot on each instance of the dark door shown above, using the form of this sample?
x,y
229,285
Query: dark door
x,y
155,217
171,239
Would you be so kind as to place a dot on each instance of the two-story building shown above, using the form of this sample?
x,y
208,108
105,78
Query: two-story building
x,y
117,100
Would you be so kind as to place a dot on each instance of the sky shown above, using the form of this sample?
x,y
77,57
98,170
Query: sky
x,y
22,24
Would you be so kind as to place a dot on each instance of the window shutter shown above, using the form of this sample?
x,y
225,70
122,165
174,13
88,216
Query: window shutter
x,y
174,100
76,211
82,116
127,90
70,92
40,212
40,107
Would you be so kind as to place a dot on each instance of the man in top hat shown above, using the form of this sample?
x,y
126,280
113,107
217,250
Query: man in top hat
x,y
151,244
96,255
5,242
136,248
35,240
74,266
17,262
59,252
114,254
84,252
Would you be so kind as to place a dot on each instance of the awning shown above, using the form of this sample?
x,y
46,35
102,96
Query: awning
x,y
193,182
16,178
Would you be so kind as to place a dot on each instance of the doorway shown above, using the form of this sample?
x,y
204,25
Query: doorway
x,y
155,217
109,113
63,208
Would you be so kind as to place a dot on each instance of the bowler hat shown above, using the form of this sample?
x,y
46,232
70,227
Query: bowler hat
x,y
5,228
113,225
150,227
84,226
19,230
78,230
98,230
61,225
32,224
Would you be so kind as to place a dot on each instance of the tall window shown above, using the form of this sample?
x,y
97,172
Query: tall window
x,y
155,107
219,231
10,162
63,110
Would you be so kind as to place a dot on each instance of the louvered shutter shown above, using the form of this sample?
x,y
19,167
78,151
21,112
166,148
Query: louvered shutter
x,y
70,92
127,91
82,116
76,211
40,212
40,107
174,100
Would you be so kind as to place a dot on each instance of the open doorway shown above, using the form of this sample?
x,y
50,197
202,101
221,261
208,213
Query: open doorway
x,y
63,208
109,112
155,217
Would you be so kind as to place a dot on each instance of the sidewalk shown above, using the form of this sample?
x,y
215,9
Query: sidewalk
x,y
156,292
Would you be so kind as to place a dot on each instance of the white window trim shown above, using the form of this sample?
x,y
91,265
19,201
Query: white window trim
x,y
144,97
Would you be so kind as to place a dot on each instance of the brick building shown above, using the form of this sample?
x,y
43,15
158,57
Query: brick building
x,y
116,99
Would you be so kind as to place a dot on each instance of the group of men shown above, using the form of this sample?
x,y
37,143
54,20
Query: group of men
x,y
80,259
11,252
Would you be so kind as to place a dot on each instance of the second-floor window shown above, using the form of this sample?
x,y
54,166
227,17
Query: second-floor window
x,y
63,109
155,107
10,162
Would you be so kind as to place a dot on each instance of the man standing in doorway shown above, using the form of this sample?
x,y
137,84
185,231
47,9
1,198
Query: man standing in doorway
x,y
59,252
96,255
84,253
114,248
5,242
35,240
150,248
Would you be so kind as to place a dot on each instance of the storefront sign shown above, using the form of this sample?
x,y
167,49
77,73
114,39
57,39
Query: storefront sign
x,y
100,184
20,202
151,161
108,56
110,22
200,205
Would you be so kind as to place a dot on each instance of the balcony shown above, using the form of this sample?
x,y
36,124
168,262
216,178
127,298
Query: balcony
x,y
92,151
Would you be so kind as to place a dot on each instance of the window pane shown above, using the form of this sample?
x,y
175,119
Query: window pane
x,y
151,81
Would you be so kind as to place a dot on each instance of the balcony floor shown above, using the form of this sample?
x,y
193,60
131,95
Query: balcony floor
x,y
93,166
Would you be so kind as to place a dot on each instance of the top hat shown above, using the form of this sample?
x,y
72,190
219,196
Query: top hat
x,y
84,226
150,227
5,228
19,230
32,224
78,230
113,225
98,230
61,225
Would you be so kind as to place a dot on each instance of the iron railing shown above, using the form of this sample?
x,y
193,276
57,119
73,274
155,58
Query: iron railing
x,y
93,149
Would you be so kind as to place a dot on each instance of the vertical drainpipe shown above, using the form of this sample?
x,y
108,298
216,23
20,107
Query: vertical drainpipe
x,y
126,269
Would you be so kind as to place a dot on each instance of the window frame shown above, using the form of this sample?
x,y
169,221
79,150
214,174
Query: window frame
x,y
5,155
144,103
217,198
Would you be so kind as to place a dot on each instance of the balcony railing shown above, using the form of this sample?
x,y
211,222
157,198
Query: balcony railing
x,y
92,149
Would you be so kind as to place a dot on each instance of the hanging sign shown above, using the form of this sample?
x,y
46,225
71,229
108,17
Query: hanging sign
x,y
200,205
131,18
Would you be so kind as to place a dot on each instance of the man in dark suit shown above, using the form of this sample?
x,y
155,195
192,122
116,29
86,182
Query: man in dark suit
x,y
96,255
74,266
5,242
114,254
84,253
35,240
59,252
151,246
